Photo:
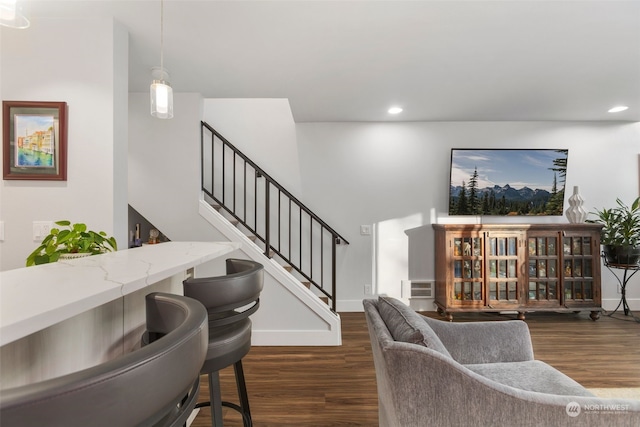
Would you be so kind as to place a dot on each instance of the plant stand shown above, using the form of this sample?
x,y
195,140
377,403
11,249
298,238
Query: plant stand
x,y
629,271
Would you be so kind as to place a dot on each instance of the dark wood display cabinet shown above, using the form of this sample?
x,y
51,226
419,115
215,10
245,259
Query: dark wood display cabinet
x,y
517,267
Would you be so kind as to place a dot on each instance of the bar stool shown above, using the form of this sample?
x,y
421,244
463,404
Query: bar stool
x,y
229,300
156,385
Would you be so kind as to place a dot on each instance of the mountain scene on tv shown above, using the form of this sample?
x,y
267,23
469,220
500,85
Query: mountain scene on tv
x,y
507,182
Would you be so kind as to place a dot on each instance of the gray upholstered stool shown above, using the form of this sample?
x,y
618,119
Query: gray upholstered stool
x,y
156,385
229,300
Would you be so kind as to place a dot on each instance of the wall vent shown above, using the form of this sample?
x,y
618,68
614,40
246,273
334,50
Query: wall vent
x,y
421,289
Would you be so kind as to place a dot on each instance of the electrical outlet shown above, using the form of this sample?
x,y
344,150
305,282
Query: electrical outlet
x,y
41,229
368,289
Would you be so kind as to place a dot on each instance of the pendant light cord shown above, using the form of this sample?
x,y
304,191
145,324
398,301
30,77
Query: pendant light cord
x,y
162,38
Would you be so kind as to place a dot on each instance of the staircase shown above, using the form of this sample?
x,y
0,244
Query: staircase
x,y
284,229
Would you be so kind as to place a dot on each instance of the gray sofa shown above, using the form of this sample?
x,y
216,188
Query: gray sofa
x,y
435,373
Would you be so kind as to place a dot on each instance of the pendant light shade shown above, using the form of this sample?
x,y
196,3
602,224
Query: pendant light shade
x,y
161,94
13,15
160,90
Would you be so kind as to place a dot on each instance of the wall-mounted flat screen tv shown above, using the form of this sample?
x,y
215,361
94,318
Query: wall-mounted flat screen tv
x,y
507,182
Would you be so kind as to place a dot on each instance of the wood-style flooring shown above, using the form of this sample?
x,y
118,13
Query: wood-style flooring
x,y
336,386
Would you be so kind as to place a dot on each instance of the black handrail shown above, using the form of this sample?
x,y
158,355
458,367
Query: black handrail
x,y
262,215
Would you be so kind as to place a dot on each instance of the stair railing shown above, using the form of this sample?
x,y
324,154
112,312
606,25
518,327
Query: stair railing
x,y
284,225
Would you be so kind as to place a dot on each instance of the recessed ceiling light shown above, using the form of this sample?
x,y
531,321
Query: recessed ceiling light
x,y
618,109
395,110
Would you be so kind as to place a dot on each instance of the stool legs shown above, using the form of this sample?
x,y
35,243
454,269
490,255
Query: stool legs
x,y
242,394
215,397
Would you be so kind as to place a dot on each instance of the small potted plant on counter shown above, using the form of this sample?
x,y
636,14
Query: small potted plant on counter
x,y
620,235
72,239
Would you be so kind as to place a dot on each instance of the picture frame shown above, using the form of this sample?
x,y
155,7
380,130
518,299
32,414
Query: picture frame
x,y
34,140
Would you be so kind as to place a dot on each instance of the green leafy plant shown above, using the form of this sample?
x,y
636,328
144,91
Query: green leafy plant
x,y
621,224
71,239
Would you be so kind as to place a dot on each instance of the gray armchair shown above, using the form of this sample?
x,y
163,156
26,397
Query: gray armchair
x,y
431,372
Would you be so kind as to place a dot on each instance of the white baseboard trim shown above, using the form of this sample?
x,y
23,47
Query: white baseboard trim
x,y
295,338
610,304
355,305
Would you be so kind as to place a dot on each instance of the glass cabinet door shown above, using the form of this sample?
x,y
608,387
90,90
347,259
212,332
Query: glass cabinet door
x,y
543,277
577,270
467,259
503,264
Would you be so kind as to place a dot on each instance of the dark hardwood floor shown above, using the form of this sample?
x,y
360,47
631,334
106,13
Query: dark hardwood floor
x,y
336,386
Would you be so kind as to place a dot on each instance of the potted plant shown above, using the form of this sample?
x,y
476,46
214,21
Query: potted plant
x,y
620,235
72,239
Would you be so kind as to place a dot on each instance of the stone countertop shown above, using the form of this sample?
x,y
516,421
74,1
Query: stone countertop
x,y
33,298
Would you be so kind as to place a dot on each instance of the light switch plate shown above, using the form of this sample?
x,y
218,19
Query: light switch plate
x,y
368,289
1,231
365,230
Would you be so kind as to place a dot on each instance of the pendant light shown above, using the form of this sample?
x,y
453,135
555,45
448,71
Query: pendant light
x,y
161,91
12,14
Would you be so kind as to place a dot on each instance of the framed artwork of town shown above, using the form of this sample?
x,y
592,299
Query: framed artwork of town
x,y
34,140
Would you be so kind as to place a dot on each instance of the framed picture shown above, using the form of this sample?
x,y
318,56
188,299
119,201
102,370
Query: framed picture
x,y
34,140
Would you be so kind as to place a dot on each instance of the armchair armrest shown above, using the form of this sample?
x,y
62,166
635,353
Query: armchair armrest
x,y
484,342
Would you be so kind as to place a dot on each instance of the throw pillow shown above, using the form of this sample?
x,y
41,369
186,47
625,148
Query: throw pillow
x,y
406,325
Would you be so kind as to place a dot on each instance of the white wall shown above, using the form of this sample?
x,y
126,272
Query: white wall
x,y
81,62
164,167
1,127
395,176
120,126
265,129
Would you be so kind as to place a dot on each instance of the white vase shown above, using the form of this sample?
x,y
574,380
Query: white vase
x,y
576,213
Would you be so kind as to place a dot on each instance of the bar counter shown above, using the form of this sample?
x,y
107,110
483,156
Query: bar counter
x,y
65,316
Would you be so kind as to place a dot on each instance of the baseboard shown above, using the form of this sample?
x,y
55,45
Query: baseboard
x,y
610,304
346,306
295,338
418,304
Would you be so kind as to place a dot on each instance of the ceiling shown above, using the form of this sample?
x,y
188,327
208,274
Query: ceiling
x,y
352,60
